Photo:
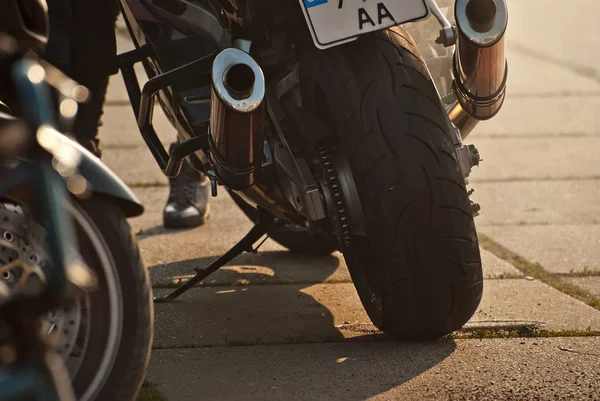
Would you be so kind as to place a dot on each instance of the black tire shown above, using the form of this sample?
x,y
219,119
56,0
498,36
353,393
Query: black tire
x,y
298,241
420,257
123,379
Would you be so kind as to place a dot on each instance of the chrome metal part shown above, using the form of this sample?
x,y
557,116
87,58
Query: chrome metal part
x,y
461,119
236,122
22,257
447,34
480,68
21,250
468,156
67,322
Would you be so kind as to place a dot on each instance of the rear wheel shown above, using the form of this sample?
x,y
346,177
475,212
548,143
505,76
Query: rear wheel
x,y
418,269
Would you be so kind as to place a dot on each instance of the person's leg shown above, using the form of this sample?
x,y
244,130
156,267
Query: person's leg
x,y
58,51
92,60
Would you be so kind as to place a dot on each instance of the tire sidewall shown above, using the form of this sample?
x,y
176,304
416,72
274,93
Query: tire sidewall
x,y
120,307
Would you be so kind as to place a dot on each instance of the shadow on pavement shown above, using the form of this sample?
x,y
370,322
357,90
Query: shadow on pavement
x,y
274,341
340,371
157,230
234,310
272,267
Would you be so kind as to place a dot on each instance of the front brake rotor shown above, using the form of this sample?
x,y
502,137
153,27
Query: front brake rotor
x,y
23,262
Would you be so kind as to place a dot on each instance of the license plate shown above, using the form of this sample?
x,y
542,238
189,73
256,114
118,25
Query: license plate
x,y
333,22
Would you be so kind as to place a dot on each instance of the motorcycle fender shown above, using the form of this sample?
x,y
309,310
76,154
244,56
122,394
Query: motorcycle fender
x,y
106,183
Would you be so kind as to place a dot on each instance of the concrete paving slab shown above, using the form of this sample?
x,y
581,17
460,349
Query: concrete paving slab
x,y
260,315
554,115
506,159
136,166
554,80
538,202
589,284
499,369
569,40
495,268
330,312
559,248
119,128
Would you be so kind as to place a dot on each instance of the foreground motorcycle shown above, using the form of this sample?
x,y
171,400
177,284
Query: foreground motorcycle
x,y
323,122
104,336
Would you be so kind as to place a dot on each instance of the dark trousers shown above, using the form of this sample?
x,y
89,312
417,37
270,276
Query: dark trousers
x,y
82,43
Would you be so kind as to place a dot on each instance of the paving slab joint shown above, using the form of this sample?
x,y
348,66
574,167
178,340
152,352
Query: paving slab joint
x,y
586,272
537,271
518,332
149,392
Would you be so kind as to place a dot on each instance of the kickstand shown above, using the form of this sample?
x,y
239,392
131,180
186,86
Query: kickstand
x,y
265,220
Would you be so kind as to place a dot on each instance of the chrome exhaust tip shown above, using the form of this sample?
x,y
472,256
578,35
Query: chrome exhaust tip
x,y
237,108
480,68
238,80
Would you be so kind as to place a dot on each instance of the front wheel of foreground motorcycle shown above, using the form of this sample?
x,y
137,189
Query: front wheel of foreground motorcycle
x,y
111,363
420,257
104,337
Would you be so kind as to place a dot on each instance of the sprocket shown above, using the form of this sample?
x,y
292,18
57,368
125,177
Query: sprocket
x,y
342,229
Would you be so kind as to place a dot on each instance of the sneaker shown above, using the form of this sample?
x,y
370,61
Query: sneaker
x,y
187,205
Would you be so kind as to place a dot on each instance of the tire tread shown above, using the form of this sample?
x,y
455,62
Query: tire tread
x,y
406,172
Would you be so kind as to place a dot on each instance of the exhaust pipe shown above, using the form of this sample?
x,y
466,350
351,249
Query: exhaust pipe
x,y
480,68
237,109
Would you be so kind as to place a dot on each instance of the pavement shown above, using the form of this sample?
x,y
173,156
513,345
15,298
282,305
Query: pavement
x,y
280,326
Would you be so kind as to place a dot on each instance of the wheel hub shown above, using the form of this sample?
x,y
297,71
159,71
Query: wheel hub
x,y
22,267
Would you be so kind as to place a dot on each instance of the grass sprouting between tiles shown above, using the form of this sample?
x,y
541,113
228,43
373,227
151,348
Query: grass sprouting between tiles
x,y
538,272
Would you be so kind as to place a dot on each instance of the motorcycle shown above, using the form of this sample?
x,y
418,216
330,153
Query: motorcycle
x,y
63,211
323,121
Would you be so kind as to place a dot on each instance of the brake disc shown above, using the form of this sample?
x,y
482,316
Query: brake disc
x,y
23,262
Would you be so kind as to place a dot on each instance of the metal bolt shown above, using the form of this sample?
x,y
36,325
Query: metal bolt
x,y
474,155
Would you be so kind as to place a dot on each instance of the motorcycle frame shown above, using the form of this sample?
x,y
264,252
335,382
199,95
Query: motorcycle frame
x,y
194,141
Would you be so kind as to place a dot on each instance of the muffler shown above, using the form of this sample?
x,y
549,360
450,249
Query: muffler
x,y
237,110
480,68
